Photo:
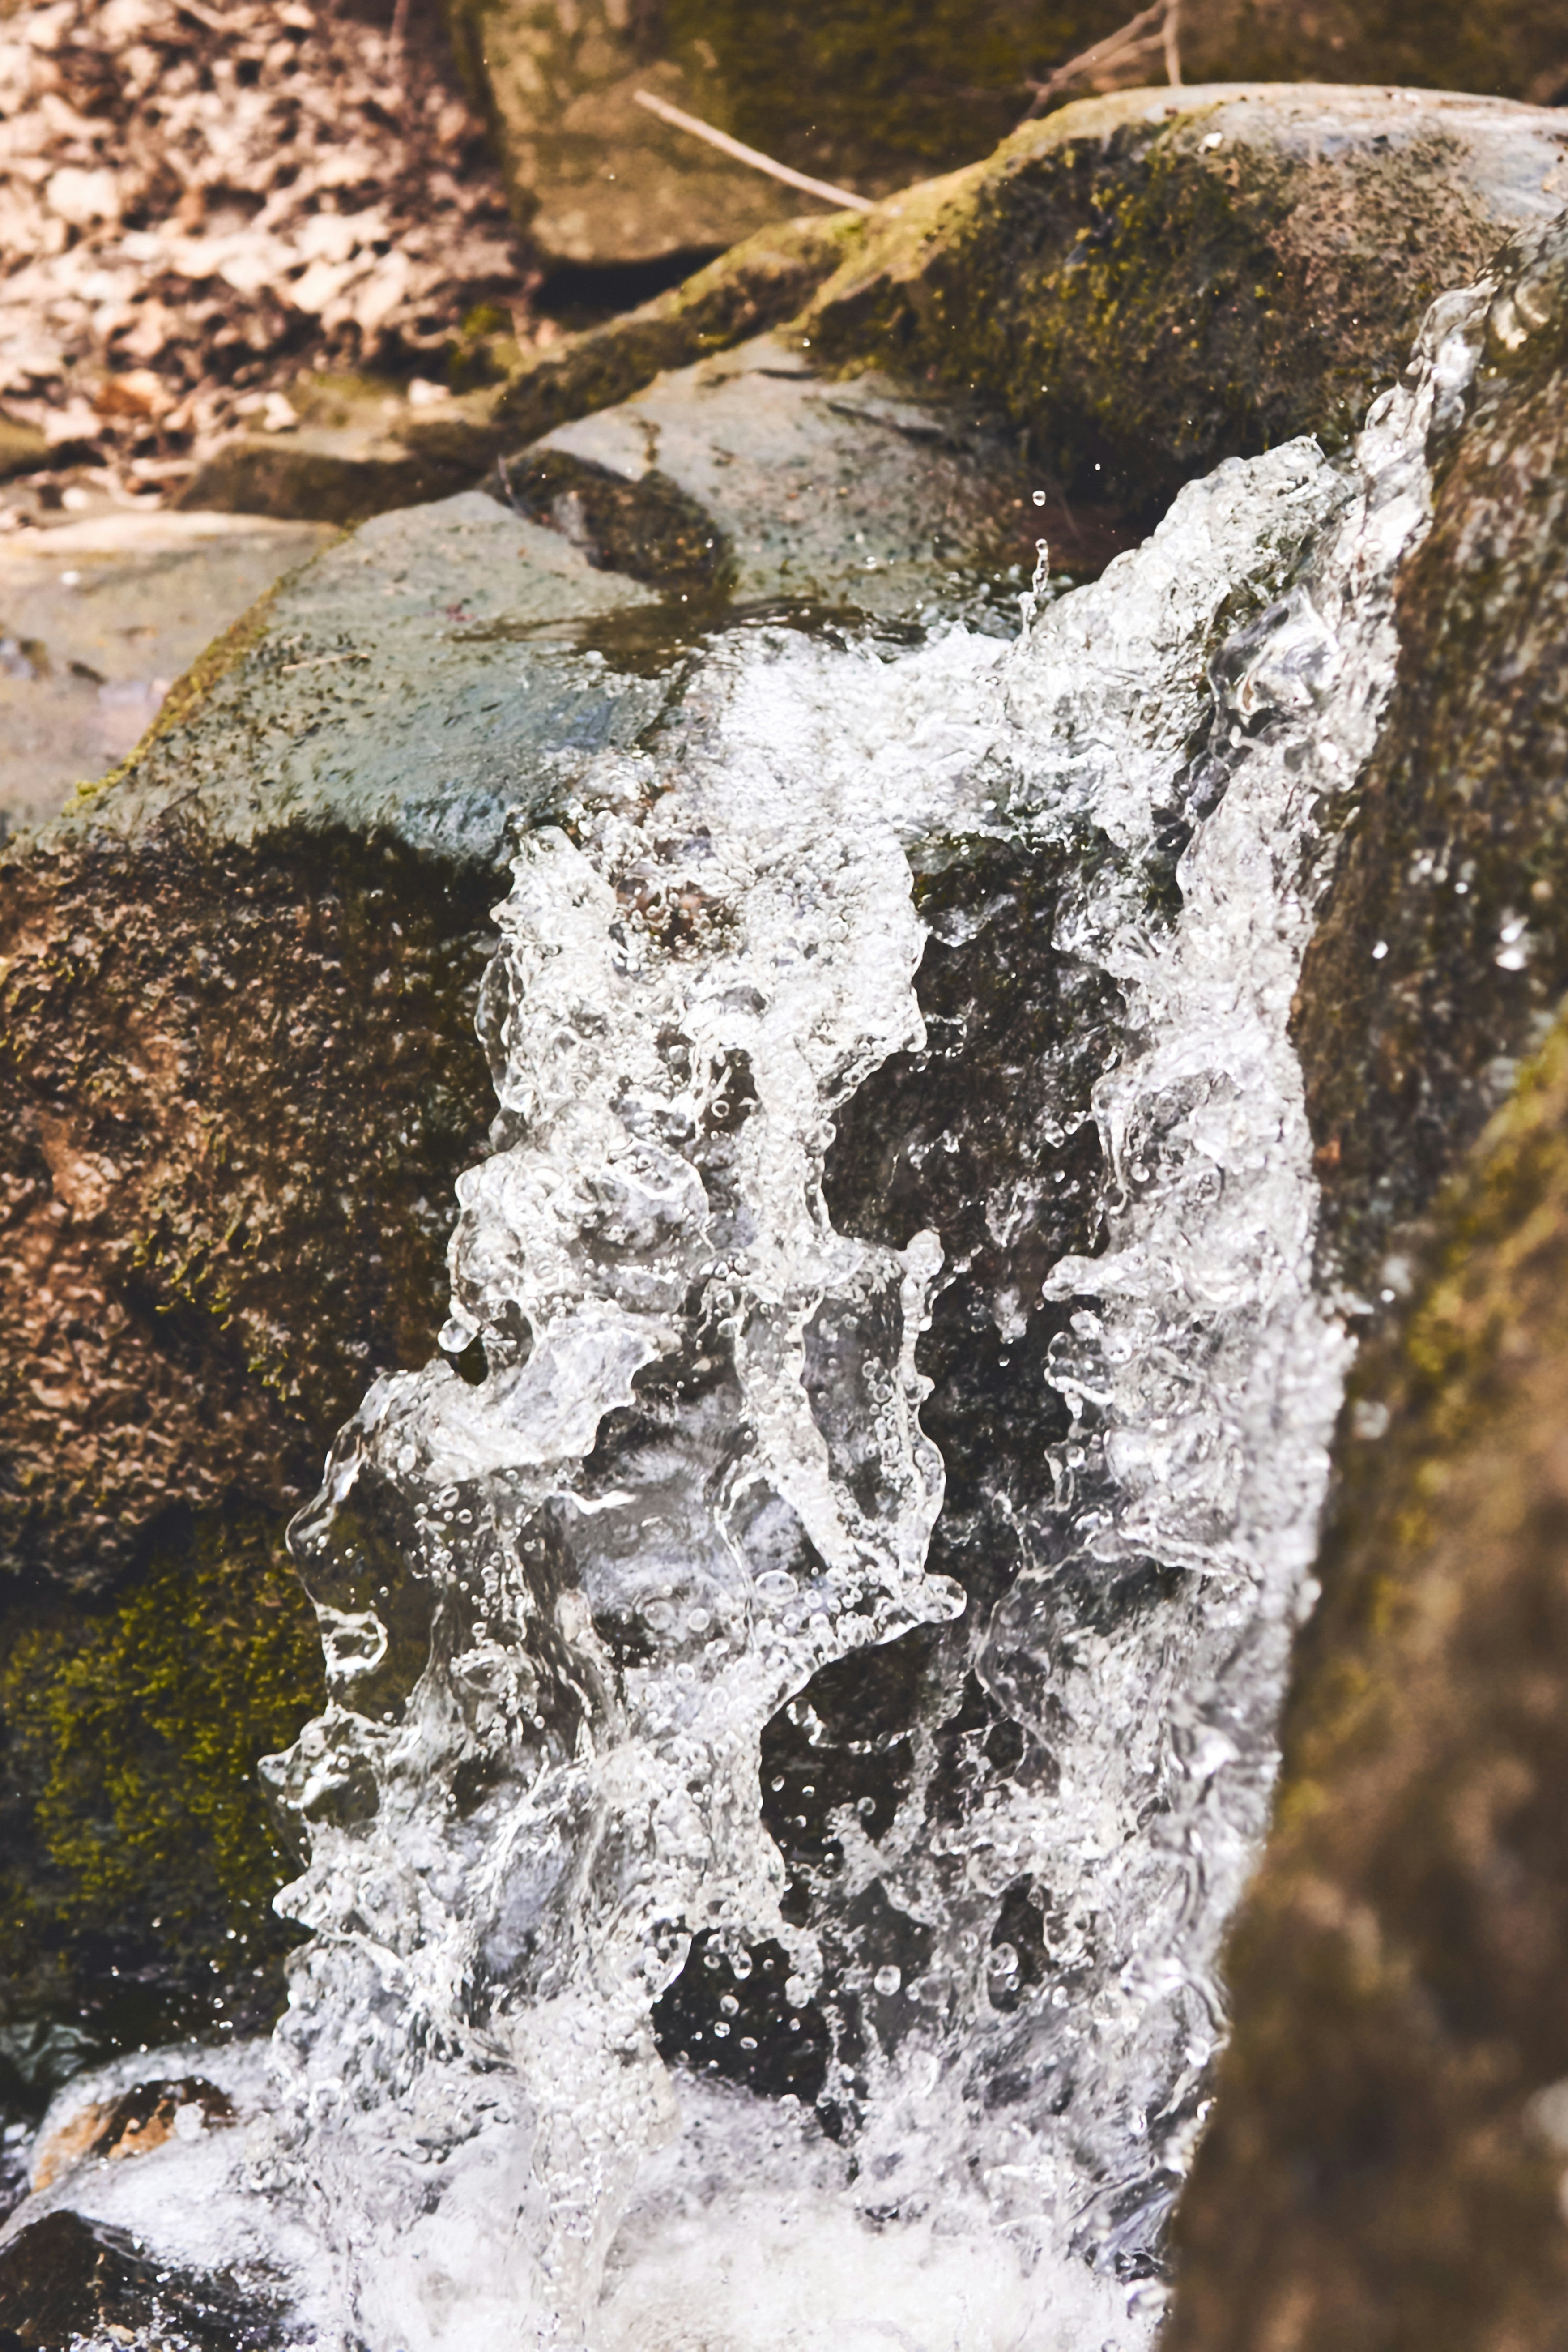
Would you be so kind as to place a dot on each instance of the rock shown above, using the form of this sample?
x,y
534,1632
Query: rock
x,y
596,179
1145,283
1385,2161
291,480
762,283
293,873
96,618
351,446
1456,867
138,1859
146,2117
1140,284
750,483
1518,51
63,2279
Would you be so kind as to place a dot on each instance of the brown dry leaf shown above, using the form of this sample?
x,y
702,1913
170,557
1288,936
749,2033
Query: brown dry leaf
x,y
197,202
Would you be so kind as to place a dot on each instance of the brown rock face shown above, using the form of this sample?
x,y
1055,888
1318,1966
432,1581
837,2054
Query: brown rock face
x,y
202,1269
1383,2171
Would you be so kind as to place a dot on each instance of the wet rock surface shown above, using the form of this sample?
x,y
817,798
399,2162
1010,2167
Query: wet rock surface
x,y
1444,948
63,2279
750,484
96,620
1384,2164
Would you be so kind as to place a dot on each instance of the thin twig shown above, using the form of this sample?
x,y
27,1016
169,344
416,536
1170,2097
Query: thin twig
x,y
1173,48
323,661
1151,29
758,162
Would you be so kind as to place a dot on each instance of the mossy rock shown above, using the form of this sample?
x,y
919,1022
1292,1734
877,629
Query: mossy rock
x,y
240,1075
1140,285
138,1859
1383,2170
1147,284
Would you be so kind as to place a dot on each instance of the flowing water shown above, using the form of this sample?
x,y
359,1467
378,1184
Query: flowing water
x,y
753,1900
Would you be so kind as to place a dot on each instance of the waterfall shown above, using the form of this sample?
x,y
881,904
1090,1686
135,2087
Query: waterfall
x,y
593,1583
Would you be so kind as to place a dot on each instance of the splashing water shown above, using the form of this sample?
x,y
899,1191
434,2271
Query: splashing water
x,y
565,1602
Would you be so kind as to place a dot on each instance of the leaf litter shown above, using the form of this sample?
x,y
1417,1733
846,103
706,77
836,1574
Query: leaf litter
x,y
199,203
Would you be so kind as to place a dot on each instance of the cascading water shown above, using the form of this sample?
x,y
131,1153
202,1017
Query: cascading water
x,y
678,1558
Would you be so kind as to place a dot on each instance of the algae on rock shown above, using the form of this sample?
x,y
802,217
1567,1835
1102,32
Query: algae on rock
x,y
138,1858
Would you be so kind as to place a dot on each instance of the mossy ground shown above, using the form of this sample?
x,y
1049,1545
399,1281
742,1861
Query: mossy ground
x,y
138,1858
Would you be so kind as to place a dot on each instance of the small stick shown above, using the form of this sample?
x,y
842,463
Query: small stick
x,y
758,162
1173,51
1152,28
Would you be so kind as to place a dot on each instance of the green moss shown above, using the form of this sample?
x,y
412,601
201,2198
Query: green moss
x,y
758,284
139,1860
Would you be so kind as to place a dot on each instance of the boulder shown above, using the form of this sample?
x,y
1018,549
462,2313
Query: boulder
x,y
64,2279
1385,2163
1140,284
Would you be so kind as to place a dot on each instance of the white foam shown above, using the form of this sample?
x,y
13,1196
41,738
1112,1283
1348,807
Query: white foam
x,y
473,2141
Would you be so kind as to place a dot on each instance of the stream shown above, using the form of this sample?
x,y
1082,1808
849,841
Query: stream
x,y
805,1659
